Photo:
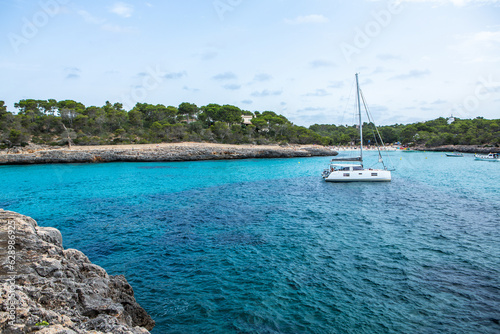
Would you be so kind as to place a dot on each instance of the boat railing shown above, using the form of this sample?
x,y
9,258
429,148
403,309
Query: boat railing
x,y
346,159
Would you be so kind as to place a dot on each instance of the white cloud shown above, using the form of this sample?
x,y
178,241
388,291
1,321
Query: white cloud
x,y
487,36
262,77
175,75
122,9
307,19
318,93
89,18
478,47
208,55
459,3
232,86
321,63
103,23
411,75
336,84
72,72
439,101
225,76
388,56
194,90
266,93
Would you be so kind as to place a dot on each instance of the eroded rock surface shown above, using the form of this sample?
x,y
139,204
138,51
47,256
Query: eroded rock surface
x,y
169,152
47,289
461,148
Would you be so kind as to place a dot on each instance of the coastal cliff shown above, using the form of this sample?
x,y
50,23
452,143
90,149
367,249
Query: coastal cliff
x,y
161,152
47,289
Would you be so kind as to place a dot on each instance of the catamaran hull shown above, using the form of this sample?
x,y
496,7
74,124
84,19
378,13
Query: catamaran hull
x,y
375,175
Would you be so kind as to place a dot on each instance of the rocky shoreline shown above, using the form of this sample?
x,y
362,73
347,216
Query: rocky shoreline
x,y
157,153
47,289
461,148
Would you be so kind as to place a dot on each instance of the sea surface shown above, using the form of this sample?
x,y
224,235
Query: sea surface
x,y
266,246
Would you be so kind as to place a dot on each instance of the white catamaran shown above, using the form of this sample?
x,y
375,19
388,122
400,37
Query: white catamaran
x,y
352,169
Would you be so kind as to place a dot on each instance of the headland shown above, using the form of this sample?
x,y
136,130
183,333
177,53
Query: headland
x,y
164,152
481,149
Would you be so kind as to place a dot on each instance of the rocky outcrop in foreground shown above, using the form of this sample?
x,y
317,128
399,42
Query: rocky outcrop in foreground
x,y
47,289
164,152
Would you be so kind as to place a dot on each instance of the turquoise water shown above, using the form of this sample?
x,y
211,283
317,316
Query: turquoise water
x,y
266,246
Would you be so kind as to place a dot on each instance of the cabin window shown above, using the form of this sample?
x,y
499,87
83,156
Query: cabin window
x,y
358,168
347,174
374,174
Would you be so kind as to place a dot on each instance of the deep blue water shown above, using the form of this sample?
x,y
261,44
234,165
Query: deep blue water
x,y
266,246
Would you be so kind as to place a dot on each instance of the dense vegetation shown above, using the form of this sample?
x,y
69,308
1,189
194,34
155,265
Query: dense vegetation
x,y
478,131
59,122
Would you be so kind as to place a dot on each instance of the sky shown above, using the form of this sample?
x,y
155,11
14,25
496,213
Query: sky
x,y
417,59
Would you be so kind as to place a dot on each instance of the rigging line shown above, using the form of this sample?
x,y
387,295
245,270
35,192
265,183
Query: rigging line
x,y
354,116
370,119
374,129
383,145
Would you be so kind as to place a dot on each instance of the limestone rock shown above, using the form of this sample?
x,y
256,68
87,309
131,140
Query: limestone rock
x,y
46,289
172,152
461,148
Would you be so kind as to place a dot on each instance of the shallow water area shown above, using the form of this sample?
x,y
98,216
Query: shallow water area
x,y
266,246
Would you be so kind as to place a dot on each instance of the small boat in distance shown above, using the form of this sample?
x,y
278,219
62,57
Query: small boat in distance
x,y
489,157
454,154
408,150
351,169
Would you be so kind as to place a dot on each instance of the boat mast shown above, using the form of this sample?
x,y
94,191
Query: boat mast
x,y
360,124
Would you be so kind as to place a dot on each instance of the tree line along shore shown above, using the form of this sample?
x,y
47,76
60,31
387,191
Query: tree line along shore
x,y
59,123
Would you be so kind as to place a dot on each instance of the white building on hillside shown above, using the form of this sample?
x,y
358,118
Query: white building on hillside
x,y
247,119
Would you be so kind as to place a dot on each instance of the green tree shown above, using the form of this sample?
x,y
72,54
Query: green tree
x,y
259,123
69,110
30,109
221,130
388,134
171,114
210,113
50,107
17,137
155,113
188,110
29,106
3,111
408,133
135,118
116,117
230,114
